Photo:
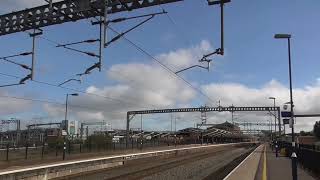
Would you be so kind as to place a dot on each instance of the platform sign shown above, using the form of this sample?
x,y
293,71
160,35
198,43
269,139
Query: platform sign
x,y
285,114
286,121
73,127
64,133
286,111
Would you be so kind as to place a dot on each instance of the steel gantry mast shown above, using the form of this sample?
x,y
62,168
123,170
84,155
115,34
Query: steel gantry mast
x,y
68,11
219,51
73,10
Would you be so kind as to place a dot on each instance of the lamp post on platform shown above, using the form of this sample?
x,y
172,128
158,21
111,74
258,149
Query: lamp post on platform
x,y
66,124
293,155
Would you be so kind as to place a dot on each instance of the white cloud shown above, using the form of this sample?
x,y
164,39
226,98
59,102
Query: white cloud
x,y
140,86
317,82
12,106
241,95
182,58
165,93
54,110
306,99
95,116
151,84
148,86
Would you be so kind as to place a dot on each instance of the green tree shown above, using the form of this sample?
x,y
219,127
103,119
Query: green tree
x,y
316,129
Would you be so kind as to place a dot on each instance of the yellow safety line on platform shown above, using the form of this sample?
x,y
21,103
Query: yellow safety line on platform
x,y
264,172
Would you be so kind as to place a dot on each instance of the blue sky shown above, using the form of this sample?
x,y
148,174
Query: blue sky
x,y
253,57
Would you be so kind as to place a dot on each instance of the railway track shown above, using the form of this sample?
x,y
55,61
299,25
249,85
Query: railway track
x,y
162,167
165,166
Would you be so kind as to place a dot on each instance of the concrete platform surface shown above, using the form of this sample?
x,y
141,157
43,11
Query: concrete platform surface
x,y
248,167
5,166
279,168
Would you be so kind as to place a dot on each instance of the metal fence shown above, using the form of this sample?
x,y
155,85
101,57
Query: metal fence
x,y
309,159
308,156
62,169
46,151
71,150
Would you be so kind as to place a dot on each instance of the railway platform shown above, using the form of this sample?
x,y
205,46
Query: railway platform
x,y
86,166
279,168
262,164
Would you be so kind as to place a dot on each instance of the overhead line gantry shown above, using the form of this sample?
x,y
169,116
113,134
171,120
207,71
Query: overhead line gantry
x,y
131,114
73,10
68,11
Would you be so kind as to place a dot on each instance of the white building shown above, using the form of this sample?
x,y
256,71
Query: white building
x,y
73,127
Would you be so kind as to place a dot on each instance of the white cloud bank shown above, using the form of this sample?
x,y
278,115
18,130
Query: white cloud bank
x,y
182,58
306,100
148,86
139,86
10,106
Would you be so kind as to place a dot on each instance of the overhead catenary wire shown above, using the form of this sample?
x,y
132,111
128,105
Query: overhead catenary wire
x,y
79,42
88,70
118,73
9,75
137,85
84,92
108,97
127,31
16,55
56,103
117,20
151,16
162,65
159,62
21,82
181,33
153,58
7,59
175,25
18,64
141,50
24,66
55,44
8,85
69,80
79,91
81,51
98,65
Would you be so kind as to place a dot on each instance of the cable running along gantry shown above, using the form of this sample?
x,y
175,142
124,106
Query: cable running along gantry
x,y
68,11
73,10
